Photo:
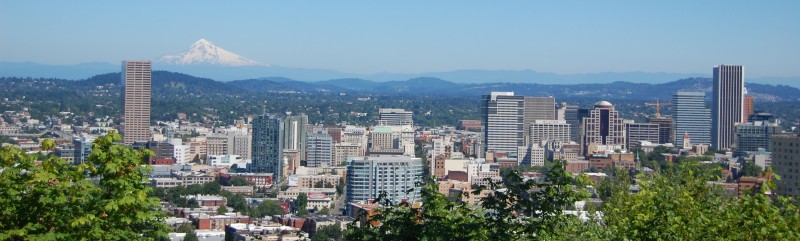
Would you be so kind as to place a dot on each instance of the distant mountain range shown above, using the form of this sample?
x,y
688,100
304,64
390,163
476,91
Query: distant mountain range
x,y
230,73
204,58
178,84
434,86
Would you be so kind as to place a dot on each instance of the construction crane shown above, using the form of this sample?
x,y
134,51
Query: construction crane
x,y
658,106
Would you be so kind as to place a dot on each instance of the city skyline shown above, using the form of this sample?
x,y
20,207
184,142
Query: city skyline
x,y
443,36
442,120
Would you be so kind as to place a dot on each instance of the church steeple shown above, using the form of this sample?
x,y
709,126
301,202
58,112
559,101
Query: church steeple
x,y
687,144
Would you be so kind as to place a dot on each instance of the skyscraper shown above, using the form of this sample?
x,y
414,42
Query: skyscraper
x,y
786,163
502,116
538,108
267,145
549,130
603,127
727,106
635,133
320,149
395,117
692,117
748,107
368,177
666,129
294,134
574,117
750,136
136,76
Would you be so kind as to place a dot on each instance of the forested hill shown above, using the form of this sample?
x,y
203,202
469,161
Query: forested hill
x,y
171,83
433,101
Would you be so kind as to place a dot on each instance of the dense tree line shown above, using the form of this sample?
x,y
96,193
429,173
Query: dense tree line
x,y
675,204
181,196
208,101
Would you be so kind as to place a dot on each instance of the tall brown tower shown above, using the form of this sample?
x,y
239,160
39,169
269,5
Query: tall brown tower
x,y
136,77
748,108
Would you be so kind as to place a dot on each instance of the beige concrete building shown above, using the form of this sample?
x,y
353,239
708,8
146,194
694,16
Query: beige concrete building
x,y
344,150
136,100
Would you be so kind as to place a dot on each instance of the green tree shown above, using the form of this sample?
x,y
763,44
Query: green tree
x,y
185,228
48,144
301,204
750,169
267,208
222,210
192,203
516,209
329,232
56,201
683,206
324,211
238,203
239,181
191,236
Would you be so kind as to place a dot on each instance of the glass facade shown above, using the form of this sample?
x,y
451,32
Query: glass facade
x,y
691,116
267,145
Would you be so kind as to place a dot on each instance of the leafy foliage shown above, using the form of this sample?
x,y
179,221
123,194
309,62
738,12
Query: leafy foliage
x,y
56,201
191,235
679,205
239,181
267,208
301,204
329,232
675,204
222,210
516,209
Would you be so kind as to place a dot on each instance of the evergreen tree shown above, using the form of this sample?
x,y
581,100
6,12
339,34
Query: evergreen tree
x,y
301,204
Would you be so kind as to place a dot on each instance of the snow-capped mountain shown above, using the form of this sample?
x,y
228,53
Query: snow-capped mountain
x,y
205,52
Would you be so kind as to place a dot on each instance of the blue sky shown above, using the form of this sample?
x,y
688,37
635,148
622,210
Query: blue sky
x,y
418,36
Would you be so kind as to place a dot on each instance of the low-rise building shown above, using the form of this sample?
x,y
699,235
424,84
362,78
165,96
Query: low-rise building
x,y
311,181
612,160
218,222
257,179
209,200
189,178
244,190
577,166
165,182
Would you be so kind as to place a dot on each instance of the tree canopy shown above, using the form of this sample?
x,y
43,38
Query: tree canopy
x,y
105,198
676,204
301,204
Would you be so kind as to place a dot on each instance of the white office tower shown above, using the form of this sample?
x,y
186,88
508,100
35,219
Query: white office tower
x,y
395,117
727,106
549,130
368,177
502,115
